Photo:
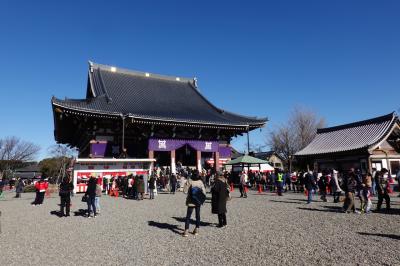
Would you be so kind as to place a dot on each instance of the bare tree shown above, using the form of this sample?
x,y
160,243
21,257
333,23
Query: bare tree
x,y
13,149
63,156
295,134
255,147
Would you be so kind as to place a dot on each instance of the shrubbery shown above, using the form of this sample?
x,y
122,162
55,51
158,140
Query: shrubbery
x,y
29,188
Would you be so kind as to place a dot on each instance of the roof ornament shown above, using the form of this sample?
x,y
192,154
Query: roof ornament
x,y
91,66
195,82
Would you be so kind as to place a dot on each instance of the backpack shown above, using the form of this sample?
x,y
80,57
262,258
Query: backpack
x,y
197,196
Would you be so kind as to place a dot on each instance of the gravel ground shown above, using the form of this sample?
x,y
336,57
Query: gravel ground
x,y
262,230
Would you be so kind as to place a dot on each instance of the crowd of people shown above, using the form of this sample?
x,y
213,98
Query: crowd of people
x,y
344,187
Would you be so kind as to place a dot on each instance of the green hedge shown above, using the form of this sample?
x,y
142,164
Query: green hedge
x,y
29,188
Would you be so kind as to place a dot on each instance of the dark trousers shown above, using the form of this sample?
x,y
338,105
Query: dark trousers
x,y
382,196
189,214
279,186
65,203
173,188
336,196
349,204
39,198
222,219
242,190
91,204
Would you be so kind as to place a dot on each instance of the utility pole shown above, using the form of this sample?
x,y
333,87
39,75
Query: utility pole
x,y
248,141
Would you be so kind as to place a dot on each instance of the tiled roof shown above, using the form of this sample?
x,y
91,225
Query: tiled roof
x,y
355,136
114,91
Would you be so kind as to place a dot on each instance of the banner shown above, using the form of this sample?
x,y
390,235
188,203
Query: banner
x,y
174,144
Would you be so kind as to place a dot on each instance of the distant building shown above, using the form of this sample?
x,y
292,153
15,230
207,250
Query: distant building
x,y
28,172
368,144
274,159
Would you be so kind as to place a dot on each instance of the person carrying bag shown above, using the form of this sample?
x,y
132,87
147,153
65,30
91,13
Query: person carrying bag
x,y
196,191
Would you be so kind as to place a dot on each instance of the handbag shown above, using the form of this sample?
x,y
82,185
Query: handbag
x,y
84,198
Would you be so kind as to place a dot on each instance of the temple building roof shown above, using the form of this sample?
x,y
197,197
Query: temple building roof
x,y
362,135
118,92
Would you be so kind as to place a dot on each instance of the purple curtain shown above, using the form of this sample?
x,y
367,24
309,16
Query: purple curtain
x,y
173,144
98,149
225,152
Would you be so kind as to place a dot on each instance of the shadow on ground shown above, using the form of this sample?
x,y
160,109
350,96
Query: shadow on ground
x,y
304,200
182,220
319,210
390,212
172,227
80,212
56,213
397,237
284,201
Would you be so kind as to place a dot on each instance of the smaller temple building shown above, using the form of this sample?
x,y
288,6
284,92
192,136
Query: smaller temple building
x,y
365,145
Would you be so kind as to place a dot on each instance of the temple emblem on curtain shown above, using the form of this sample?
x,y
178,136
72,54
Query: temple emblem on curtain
x,y
208,146
162,144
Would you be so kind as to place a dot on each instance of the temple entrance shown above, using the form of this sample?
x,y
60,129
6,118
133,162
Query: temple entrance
x,y
186,155
163,158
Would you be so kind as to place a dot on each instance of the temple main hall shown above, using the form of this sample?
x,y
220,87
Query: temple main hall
x,y
132,114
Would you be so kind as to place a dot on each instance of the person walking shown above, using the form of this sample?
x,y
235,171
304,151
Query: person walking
x,y
196,194
337,191
91,196
322,183
310,184
243,185
19,188
152,185
140,188
382,183
99,192
41,187
366,193
220,194
172,182
65,189
279,182
349,188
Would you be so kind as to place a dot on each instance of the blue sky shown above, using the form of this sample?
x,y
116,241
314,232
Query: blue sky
x,y
338,58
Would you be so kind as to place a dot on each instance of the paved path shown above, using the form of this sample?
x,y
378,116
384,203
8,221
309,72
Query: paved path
x,y
262,230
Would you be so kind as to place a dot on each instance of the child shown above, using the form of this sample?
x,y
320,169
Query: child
x,y
366,193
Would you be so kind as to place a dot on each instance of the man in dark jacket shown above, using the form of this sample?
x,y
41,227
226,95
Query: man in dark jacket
x,y
19,188
382,180
322,183
309,183
152,185
66,187
350,185
172,183
91,196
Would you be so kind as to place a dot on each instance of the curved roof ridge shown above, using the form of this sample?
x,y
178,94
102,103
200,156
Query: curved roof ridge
x,y
382,118
139,73
222,111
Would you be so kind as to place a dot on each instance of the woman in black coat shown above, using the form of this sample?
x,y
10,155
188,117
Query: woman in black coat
x,y
91,196
220,194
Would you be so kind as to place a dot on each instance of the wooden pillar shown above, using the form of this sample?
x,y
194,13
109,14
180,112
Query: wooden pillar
x,y
151,156
216,161
173,164
369,164
198,161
